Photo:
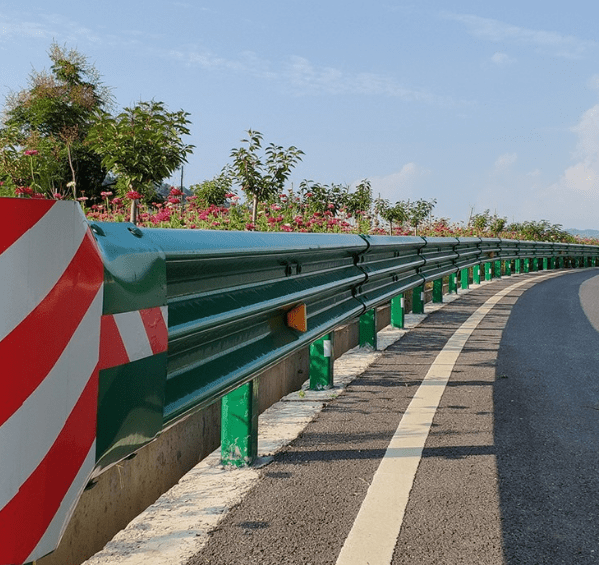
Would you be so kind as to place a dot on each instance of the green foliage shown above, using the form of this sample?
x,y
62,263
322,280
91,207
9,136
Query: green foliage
x,y
142,144
262,176
361,199
53,116
418,211
321,197
215,191
485,222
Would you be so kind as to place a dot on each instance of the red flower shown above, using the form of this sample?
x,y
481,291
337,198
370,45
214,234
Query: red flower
x,y
176,191
31,152
133,195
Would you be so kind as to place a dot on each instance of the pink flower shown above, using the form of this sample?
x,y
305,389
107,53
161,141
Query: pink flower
x,y
175,191
117,201
133,195
173,200
57,196
38,196
105,194
192,198
82,198
31,152
250,227
229,195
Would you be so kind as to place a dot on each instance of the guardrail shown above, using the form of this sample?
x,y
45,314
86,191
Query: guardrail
x,y
141,327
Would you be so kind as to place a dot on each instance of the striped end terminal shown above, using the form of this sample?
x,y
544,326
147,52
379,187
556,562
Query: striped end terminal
x,y
51,295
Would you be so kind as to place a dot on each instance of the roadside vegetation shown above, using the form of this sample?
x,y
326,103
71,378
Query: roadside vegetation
x,y
61,138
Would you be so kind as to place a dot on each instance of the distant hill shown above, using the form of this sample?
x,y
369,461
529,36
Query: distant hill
x,y
584,233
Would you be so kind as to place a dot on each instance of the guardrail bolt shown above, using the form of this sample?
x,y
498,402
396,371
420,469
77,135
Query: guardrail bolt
x,y
239,425
322,361
368,329
398,311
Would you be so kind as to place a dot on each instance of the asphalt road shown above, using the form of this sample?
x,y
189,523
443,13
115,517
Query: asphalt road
x,y
509,470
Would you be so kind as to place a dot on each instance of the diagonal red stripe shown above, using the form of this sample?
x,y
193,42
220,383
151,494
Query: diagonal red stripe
x,y
19,216
26,517
30,351
112,348
155,328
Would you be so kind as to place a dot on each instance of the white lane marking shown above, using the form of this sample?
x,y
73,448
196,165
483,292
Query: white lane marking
x,y
374,534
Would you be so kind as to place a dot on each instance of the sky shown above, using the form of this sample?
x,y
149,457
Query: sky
x,y
479,105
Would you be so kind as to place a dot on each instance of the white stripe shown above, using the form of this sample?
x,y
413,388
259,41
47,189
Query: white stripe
x,y
53,534
27,436
30,267
133,333
373,536
164,312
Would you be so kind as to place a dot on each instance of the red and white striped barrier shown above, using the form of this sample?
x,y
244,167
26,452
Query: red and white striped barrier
x,y
51,283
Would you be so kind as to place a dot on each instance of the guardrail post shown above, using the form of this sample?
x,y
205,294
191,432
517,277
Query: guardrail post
x,y
476,274
239,425
438,291
487,271
561,262
545,263
498,269
527,265
397,311
418,300
508,268
518,266
322,361
464,278
368,329
535,264
453,284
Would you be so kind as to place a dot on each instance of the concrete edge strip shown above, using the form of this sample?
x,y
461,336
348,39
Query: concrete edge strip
x,y
376,528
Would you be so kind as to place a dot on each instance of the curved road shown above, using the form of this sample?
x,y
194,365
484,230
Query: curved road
x,y
507,473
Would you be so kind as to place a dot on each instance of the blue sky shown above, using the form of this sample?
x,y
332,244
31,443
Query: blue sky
x,y
481,105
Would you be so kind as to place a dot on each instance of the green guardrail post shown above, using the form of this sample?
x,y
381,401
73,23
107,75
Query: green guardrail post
x,y
397,311
322,361
487,271
508,268
438,291
518,266
561,262
497,269
526,265
476,274
464,278
535,264
418,300
368,329
453,284
545,263
239,425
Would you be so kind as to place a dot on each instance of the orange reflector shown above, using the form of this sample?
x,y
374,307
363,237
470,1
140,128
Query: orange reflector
x,y
297,318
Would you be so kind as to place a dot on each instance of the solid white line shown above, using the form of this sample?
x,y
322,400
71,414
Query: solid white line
x,y
373,536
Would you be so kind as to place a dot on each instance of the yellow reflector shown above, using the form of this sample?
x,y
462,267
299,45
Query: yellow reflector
x,y
297,318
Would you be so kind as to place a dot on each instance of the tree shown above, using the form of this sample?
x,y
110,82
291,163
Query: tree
x,y
142,145
52,118
214,191
418,211
261,177
397,213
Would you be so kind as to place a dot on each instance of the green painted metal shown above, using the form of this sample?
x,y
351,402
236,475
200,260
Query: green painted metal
x,y
561,262
418,300
476,274
545,263
322,361
130,396
518,266
488,272
367,327
464,277
130,407
438,291
535,264
497,269
526,265
508,268
452,286
239,425
398,311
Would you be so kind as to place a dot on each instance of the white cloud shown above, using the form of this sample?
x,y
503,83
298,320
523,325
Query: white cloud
x,y
557,44
501,59
505,161
401,185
